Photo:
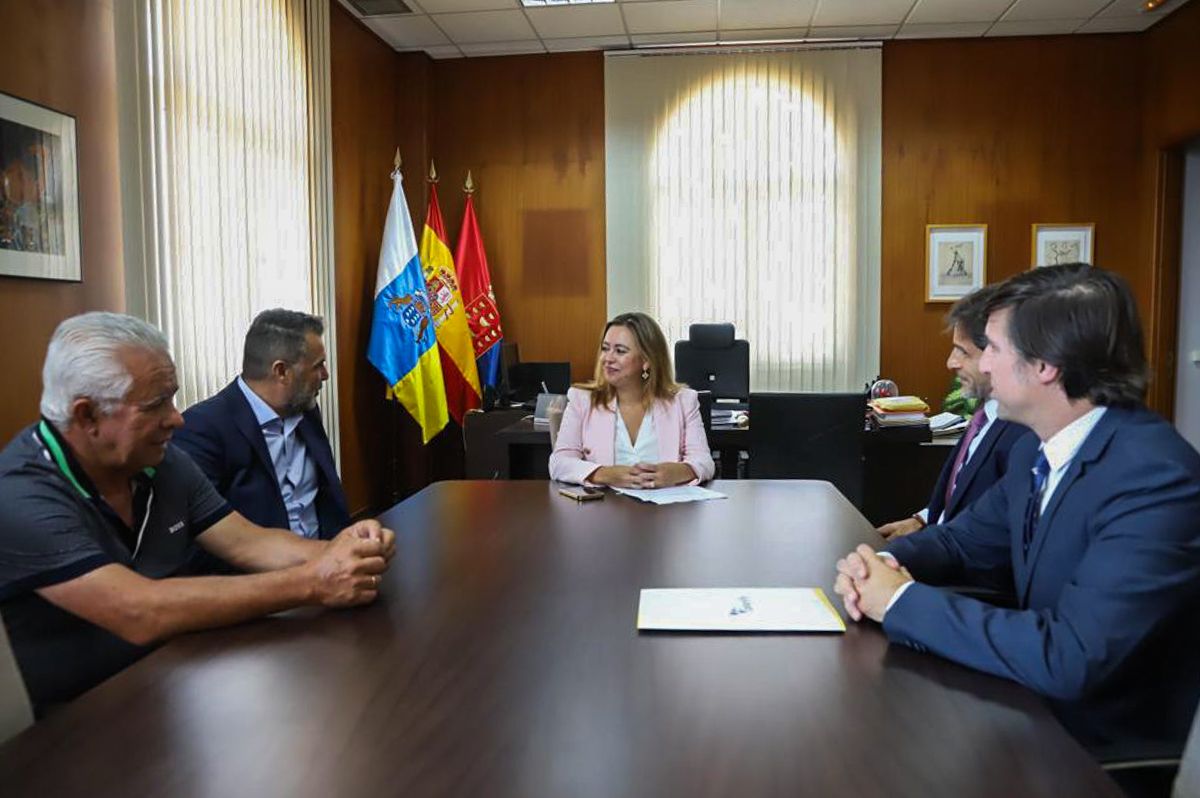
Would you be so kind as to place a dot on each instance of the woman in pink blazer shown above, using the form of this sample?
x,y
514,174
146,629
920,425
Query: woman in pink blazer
x,y
632,426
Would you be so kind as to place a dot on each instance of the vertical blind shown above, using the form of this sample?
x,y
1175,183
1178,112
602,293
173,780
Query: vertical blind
x,y
745,188
233,122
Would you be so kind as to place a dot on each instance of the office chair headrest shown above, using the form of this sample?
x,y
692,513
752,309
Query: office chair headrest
x,y
711,336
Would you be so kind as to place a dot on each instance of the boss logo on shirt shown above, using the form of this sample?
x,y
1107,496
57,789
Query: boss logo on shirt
x,y
175,527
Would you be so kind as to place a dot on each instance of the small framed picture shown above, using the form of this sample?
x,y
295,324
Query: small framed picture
x,y
955,260
39,196
1062,243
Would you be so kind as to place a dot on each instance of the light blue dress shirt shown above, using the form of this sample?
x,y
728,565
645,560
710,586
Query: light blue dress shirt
x,y
294,469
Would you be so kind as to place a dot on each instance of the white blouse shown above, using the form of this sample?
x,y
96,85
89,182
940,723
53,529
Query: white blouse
x,y
646,450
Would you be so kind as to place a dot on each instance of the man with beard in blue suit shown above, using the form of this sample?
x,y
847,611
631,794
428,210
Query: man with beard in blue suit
x,y
1098,517
260,441
980,458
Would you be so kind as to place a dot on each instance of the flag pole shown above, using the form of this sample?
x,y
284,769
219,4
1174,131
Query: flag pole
x,y
469,186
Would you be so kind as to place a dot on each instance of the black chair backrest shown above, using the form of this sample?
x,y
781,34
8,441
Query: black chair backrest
x,y
706,401
525,380
809,436
712,359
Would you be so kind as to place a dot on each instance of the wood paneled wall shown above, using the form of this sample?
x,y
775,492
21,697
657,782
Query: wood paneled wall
x,y
1006,132
60,54
379,103
531,129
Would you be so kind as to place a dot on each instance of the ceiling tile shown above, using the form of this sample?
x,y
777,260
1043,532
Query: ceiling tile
x,y
942,11
948,30
448,6
565,21
407,32
1045,27
860,12
1133,8
668,16
763,34
1102,24
503,48
1024,10
695,37
587,43
486,26
765,13
852,32
449,51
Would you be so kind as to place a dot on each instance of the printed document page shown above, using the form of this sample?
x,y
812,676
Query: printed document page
x,y
735,609
683,493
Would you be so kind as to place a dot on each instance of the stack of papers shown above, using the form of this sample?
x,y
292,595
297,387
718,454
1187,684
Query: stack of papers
x,y
948,424
685,493
730,418
739,609
899,411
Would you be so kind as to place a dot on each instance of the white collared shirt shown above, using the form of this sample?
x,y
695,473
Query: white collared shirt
x,y
1062,447
991,409
646,449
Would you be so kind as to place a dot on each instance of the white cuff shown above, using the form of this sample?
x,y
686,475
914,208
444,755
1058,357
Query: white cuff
x,y
923,515
896,596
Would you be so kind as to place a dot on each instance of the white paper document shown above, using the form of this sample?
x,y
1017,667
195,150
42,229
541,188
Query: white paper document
x,y
684,493
736,609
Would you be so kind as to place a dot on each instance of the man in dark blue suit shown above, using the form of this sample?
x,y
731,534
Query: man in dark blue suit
x,y
260,441
980,457
1098,517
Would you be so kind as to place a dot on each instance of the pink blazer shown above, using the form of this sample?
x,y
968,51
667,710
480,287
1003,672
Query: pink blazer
x,y
587,437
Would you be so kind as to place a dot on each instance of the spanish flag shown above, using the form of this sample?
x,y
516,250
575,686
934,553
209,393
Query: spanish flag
x,y
449,316
403,345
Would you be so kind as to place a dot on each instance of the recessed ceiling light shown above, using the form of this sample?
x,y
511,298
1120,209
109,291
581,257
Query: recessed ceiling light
x,y
545,3
1150,5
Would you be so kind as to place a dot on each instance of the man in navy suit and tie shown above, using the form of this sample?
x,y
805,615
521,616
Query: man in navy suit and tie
x,y
1098,517
980,458
260,441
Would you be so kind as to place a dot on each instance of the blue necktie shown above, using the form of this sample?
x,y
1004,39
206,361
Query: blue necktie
x,y
1033,511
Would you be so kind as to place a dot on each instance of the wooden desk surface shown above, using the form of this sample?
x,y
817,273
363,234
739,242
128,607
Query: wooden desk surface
x,y
502,660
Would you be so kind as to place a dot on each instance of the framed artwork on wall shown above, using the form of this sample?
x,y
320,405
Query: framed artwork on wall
x,y
39,192
1062,243
955,260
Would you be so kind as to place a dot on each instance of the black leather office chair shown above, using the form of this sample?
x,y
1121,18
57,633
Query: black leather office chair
x,y
711,359
809,436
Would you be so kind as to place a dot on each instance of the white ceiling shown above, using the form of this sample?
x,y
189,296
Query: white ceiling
x,y
458,28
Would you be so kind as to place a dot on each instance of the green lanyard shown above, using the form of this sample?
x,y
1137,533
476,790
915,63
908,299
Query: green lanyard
x,y
56,451
47,437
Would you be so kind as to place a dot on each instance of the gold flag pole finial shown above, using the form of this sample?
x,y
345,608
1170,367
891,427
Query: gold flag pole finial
x,y
397,161
433,178
469,186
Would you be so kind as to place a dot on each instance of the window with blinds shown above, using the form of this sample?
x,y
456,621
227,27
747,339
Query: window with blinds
x,y
744,188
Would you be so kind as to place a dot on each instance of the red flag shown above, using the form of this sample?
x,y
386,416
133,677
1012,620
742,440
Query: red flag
x,y
475,282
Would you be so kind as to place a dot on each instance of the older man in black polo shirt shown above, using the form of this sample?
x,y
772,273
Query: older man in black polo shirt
x,y
99,512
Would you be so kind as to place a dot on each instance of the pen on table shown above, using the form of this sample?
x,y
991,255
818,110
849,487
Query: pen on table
x,y
544,388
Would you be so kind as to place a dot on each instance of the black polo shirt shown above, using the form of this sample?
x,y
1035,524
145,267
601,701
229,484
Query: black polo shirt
x,y
55,527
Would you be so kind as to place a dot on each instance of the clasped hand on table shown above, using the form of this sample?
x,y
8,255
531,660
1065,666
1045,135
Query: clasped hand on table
x,y
866,582
643,475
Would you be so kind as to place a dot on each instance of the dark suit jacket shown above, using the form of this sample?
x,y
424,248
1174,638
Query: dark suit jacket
x,y
222,436
983,470
1108,624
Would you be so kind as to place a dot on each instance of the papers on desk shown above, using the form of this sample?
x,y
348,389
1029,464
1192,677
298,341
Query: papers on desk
x,y
948,424
750,609
678,495
729,419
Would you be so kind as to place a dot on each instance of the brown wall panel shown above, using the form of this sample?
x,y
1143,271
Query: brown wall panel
x,y
1006,132
60,54
379,103
531,129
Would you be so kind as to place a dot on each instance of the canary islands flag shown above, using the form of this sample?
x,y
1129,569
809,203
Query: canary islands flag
x,y
403,344
449,315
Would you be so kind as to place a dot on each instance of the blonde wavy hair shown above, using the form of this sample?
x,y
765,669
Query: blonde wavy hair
x,y
652,345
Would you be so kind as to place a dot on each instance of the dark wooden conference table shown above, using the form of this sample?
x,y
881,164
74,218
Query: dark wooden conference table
x,y
502,659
